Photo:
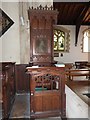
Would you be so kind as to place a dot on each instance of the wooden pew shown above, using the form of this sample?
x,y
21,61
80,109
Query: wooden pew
x,y
71,73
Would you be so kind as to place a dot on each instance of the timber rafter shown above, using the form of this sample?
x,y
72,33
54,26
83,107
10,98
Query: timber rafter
x,y
80,20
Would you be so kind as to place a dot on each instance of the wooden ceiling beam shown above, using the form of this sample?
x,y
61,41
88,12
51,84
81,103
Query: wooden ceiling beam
x,y
80,20
87,14
69,17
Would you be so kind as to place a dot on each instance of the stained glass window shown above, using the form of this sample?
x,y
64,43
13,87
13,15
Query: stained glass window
x,y
86,41
59,40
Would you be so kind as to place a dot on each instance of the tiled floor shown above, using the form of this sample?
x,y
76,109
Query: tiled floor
x,y
75,107
21,107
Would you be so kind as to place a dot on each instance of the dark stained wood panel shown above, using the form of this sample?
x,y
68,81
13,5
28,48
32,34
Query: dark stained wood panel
x,y
87,17
67,13
22,79
70,11
41,35
7,76
47,92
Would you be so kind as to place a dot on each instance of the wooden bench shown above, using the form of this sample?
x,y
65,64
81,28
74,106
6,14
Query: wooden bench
x,y
77,73
80,64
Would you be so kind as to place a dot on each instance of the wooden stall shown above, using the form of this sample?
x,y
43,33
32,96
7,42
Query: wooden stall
x,y
7,76
47,92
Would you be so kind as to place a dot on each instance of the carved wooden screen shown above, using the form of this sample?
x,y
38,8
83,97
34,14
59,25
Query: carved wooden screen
x,y
41,33
47,91
47,82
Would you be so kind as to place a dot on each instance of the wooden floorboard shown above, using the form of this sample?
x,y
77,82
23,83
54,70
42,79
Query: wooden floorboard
x,y
80,88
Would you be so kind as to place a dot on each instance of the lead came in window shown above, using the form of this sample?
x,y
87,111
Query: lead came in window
x,y
59,40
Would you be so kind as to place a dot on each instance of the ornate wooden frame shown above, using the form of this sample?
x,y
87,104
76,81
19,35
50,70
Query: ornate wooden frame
x,y
5,22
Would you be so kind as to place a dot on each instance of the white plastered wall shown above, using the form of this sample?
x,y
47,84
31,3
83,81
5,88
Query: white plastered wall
x,y
75,52
15,43
10,40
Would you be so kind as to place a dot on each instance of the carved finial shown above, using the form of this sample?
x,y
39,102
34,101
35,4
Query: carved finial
x,y
40,7
32,7
46,7
51,7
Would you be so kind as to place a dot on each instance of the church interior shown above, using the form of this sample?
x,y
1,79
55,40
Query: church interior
x,y
44,60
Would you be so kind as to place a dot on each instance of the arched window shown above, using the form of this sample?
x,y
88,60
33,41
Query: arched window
x,y
61,39
86,41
